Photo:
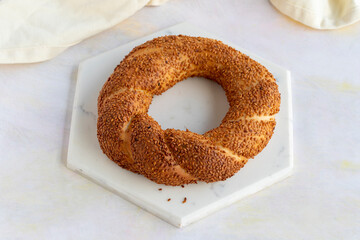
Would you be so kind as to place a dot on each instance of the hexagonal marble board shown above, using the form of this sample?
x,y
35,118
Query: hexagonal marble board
x,y
200,99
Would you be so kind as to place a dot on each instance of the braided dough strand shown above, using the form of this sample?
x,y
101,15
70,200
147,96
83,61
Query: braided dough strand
x,y
135,141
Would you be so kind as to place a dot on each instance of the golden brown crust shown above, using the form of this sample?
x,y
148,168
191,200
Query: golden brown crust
x,y
201,157
135,141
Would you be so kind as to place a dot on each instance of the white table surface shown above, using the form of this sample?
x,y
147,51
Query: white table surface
x,y
41,199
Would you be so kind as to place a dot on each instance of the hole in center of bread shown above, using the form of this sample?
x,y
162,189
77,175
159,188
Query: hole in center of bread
x,y
196,104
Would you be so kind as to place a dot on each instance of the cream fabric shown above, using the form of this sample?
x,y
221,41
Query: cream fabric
x,y
321,14
38,30
156,2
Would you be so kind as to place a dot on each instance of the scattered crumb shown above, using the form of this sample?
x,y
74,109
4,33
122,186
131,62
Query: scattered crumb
x,y
182,186
184,201
169,199
160,189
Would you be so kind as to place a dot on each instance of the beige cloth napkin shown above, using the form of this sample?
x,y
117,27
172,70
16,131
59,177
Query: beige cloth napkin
x,y
37,30
321,14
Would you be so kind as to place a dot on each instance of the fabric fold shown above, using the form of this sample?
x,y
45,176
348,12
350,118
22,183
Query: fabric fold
x,y
321,14
38,30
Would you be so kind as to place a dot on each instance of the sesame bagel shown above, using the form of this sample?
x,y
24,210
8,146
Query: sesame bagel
x,y
136,142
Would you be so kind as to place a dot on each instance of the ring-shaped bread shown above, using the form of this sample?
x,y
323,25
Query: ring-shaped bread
x,y
136,142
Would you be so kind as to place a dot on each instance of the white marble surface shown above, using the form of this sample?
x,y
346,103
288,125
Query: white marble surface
x,y
184,106
41,199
